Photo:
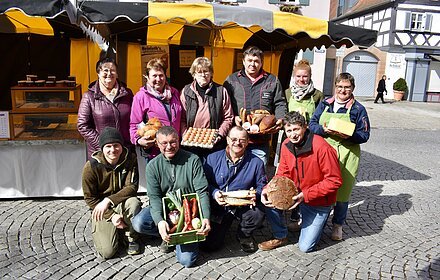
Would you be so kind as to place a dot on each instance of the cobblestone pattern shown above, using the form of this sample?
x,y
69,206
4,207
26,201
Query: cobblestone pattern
x,y
392,231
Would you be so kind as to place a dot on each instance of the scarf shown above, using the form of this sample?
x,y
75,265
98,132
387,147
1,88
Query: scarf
x,y
299,92
164,97
340,104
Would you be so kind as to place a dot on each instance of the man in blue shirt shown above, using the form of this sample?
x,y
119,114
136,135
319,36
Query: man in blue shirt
x,y
234,169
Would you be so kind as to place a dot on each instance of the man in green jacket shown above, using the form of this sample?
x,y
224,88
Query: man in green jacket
x,y
110,182
174,169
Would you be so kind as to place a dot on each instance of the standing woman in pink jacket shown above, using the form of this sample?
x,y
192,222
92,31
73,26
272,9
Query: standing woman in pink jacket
x,y
154,100
106,103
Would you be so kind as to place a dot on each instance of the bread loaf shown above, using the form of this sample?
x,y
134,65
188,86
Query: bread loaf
x,y
267,122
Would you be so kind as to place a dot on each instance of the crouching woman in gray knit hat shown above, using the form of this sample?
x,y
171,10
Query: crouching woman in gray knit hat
x,y
110,182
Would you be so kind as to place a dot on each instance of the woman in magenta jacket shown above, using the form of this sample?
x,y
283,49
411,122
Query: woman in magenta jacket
x,y
155,99
106,103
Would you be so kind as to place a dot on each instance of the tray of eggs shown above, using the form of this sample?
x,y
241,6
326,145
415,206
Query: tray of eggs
x,y
200,137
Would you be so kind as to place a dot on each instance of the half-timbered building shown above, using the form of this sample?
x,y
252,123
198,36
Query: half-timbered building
x,y
408,45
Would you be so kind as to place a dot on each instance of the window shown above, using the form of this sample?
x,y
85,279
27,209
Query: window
x,y
418,21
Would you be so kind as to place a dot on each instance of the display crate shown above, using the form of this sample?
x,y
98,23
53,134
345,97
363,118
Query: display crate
x,y
187,236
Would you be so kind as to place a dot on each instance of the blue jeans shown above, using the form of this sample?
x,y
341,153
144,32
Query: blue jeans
x,y
314,219
261,151
340,213
275,218
143,223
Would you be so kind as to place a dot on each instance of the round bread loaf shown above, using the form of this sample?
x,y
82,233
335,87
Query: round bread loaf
x,y
281,190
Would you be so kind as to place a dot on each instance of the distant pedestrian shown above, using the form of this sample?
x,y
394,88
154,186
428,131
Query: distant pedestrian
x,y
381,88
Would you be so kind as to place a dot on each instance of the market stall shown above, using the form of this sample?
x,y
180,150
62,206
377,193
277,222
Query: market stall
x,y
43,155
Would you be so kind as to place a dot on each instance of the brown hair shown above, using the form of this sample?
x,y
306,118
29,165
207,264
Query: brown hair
x,y
303,64
201,63
156,64
253,51
345,77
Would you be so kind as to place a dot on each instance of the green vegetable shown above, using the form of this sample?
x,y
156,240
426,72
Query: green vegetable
x,y
171,206
176,198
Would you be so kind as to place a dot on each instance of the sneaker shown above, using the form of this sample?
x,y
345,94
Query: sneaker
x,y
166,248
294,226
247,244
133,248
337,232
272,244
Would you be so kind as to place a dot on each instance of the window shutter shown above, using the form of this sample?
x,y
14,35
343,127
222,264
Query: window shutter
x,y
428,22
304,2
407,20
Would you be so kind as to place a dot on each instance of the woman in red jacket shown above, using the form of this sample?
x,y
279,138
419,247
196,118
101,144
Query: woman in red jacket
x,y
313,166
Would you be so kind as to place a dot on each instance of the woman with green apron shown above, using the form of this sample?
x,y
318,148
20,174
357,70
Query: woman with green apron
x,y
303,98
343,107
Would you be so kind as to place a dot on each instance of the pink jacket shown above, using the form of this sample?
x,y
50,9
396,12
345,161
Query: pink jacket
x,y
146,106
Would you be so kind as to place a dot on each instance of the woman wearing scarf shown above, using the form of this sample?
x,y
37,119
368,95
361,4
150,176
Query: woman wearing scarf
x,y
206,104
343,107
303,97
156,99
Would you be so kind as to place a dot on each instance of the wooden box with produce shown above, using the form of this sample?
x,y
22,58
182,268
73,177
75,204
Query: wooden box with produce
x,y
182,212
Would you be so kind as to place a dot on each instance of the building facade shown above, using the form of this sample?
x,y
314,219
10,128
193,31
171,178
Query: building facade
x,y
408,45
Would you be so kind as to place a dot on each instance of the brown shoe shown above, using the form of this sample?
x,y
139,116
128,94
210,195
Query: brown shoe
x,y
272,244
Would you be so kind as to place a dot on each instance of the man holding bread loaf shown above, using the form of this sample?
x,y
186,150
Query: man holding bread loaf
x,y
235,178
254,91
312,164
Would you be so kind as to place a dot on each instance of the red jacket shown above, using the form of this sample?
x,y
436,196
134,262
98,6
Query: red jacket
x,y
314,168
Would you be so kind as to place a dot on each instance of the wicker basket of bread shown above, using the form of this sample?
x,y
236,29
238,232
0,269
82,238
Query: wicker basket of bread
x,y
258,121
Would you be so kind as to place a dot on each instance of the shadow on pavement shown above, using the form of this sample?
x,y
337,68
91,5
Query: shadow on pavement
x,y
367,212
375,168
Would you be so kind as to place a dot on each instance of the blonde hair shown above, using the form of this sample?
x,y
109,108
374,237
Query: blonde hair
x,y
201,63
303,64
156,64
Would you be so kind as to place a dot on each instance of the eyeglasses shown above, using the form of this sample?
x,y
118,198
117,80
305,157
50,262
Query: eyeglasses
x,y
203,73
106,70
338,87
165,144
240,140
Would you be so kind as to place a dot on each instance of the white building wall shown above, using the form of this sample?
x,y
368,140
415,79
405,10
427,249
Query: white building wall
x,y
434,77
395,68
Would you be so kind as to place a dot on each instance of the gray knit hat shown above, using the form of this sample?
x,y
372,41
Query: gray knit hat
x,y
110,135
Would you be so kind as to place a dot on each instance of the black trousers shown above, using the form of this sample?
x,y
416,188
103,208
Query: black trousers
x,y
379,95
249,220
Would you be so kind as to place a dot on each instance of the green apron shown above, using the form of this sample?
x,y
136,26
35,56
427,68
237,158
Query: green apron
x,y
305,107
348,155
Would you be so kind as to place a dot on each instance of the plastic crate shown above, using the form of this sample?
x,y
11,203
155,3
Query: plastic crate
x,y
186,237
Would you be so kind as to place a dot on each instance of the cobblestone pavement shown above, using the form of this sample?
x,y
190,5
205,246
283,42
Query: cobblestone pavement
x,y
392,230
